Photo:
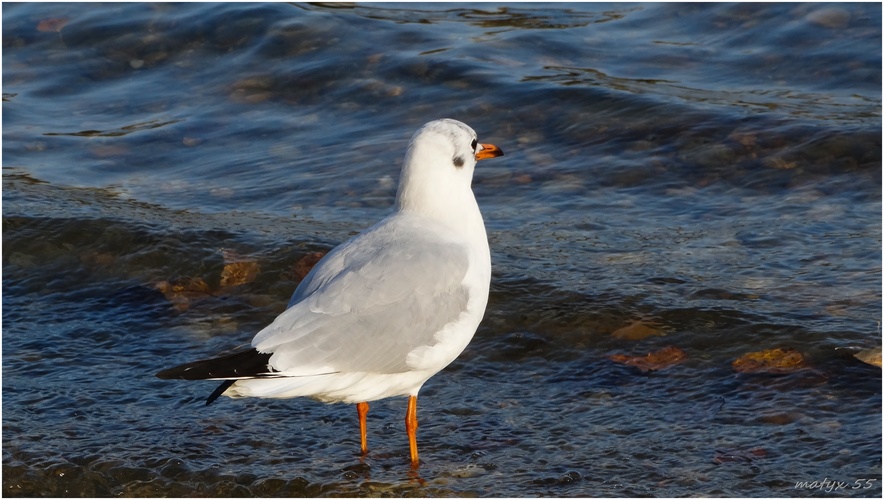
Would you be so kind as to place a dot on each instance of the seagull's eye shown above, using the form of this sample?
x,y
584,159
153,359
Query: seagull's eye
x,y
474,144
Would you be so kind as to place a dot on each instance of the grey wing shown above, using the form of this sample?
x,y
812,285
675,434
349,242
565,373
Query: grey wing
x,y
369,303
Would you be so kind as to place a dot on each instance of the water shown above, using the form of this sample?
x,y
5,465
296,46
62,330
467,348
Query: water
x,y
711,173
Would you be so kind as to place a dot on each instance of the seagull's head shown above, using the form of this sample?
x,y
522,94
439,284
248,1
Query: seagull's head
x,y
439,164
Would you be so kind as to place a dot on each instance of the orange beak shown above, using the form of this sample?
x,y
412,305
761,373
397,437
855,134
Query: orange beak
x,y
488,151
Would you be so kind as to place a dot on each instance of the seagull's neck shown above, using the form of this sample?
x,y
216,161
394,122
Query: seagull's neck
x,y
460,211
466,227
454,206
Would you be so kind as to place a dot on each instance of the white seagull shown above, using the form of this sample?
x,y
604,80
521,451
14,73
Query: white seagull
x,y
386,310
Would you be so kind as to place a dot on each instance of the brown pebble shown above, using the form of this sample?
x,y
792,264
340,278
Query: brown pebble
x,y
306,263
636,331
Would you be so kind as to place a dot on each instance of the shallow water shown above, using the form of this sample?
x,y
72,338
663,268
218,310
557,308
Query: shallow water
x,y
709,173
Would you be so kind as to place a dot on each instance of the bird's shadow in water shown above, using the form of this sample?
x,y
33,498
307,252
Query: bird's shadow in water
x,y
362,470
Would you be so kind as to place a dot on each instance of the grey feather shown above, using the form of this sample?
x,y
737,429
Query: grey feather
x,y
371,301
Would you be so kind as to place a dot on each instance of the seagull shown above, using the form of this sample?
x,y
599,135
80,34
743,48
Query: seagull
x,y
386,310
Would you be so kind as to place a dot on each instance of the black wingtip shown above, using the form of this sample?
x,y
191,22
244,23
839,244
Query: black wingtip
x,y
243,364
236,366
168,373
219,391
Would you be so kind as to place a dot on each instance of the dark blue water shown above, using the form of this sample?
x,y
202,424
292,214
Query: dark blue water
x,y
710,172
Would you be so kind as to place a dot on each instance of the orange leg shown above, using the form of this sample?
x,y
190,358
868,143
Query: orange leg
x,y
362,410
411,429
